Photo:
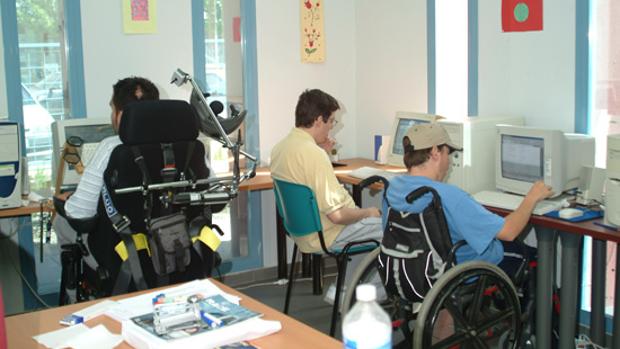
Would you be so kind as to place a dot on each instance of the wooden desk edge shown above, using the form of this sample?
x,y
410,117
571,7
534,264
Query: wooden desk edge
x,y
32,207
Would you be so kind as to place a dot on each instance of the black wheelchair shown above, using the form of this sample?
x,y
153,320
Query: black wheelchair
x,y
471,305
153,225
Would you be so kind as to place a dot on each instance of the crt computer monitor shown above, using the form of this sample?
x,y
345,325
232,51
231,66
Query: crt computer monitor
x,y
525,155
402,122
90,130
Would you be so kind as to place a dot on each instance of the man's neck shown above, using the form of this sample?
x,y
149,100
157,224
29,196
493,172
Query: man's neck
x,y
310,131
424,171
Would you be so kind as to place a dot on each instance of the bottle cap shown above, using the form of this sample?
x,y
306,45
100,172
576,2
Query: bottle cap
x,y
366,292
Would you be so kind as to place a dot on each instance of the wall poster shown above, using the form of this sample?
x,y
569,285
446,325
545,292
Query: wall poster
x,y
139,16
312,35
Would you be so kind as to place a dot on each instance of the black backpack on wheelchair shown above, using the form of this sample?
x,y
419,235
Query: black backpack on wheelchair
x,y
412,258
147,238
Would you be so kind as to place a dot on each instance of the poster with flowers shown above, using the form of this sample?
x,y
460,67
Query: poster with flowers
x,y
312,36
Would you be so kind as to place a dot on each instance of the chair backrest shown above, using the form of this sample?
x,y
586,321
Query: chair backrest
x,y
297,206
145,127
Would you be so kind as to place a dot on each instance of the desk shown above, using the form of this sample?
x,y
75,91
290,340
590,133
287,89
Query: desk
x,y
262,181
32,207
571,237
294,334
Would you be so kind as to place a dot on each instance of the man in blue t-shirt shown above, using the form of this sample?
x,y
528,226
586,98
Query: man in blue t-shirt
x,y
427,158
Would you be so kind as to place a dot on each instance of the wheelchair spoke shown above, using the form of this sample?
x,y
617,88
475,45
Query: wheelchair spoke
x,y
478,295
456,314
478,343
500,317
453,341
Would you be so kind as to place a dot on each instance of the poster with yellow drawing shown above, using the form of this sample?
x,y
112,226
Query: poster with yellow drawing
x,y
139,16
312,36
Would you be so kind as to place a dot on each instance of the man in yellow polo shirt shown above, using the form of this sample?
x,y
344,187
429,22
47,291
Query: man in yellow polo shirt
x,y
301,157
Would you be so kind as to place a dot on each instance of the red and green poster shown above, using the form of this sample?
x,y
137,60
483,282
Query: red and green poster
x,y
522,15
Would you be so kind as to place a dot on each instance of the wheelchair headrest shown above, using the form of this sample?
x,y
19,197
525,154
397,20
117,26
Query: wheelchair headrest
x,y
163,121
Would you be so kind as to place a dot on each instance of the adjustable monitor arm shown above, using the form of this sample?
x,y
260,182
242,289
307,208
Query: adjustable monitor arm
x,y
179,78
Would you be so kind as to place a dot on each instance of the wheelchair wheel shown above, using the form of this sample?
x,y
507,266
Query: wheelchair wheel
x,y
399,310
473,305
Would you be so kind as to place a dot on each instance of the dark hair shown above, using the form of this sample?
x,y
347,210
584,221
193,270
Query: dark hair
x,y
133,89
414,157
311,105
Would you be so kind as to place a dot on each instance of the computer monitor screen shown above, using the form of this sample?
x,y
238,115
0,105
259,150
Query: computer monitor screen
x,y
89,133
522,158
525,155
90,130
402,122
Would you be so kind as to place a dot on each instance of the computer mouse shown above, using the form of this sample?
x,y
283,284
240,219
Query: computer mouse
x,y
570,213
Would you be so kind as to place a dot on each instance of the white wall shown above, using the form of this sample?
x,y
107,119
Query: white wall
x,y
110,55
529,74
390,56
282,76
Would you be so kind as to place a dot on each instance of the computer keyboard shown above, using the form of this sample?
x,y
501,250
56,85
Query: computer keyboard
x,y
367,171
511,201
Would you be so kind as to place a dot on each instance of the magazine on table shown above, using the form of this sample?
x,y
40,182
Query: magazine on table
x,y
215,313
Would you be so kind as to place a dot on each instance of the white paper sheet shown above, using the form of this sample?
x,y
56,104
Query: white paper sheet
x,y
54,339
97,337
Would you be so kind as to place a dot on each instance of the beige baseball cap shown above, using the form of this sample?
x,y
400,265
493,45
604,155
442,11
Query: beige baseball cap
x,y
423,136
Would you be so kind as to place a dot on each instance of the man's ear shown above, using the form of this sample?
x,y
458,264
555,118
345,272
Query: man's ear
x,y
435,152
317,121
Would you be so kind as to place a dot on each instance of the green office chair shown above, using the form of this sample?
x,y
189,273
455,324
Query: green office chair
x,y
298,208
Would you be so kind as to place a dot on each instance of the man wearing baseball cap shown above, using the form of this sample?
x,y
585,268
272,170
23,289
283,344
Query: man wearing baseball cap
x,y
427,158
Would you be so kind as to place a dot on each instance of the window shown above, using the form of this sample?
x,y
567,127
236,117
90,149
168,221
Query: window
x,y
451,21
223,78
604,115
43,67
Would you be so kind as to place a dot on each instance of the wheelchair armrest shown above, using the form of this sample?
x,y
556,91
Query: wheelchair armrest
x,y
59,206
452,254
372,179
80,225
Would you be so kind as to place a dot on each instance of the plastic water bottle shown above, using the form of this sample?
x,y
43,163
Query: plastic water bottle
x,y
366,325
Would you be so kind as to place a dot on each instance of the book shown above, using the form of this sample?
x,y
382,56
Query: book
x,y
216,313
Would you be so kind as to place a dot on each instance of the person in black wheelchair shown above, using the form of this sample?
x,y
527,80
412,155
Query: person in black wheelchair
x,y
475,303
153,200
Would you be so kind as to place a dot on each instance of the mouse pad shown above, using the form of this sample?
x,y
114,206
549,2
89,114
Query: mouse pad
x,y
587,215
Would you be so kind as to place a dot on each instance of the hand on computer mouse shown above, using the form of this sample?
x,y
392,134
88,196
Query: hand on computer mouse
x,y
540,191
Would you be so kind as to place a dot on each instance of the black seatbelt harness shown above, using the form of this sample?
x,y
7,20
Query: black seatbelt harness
x,y
169,172
131,267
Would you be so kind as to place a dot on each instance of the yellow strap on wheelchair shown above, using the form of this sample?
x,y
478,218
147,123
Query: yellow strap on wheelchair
x,y
208,237
139,240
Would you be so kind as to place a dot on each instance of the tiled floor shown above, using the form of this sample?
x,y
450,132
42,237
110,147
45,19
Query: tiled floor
x,y
305,306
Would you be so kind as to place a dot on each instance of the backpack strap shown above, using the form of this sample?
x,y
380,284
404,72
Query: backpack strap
x,y
187,171
146,180
130,268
